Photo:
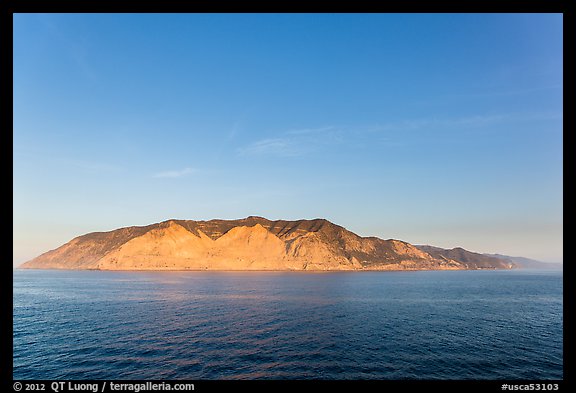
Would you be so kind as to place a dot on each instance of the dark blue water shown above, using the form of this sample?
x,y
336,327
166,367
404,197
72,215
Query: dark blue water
x,y
213,325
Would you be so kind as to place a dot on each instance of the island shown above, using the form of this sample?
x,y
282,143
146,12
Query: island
x,y
253,243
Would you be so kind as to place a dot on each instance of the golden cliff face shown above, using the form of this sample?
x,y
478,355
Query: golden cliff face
x,y
175,248
253,243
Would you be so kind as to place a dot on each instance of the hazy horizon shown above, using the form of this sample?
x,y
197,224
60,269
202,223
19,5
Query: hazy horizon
x,y
438,129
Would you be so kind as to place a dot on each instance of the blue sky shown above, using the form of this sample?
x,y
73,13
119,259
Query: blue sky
x,y
442,129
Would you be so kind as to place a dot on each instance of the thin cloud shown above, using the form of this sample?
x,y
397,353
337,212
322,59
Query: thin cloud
x,y
304,141
511,92
419,124
310,131
464,122
283,147
175,174
293,143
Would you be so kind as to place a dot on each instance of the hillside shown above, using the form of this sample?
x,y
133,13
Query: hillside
x,y
527,263
252,243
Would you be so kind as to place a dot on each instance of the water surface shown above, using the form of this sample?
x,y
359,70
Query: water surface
x,y
276,325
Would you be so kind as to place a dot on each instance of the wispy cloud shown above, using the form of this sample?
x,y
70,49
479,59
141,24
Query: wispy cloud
x,y
293,143
509,92
311,131
305,141
175,173
283,147
464,121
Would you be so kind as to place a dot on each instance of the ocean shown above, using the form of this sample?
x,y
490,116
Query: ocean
x,y
425,325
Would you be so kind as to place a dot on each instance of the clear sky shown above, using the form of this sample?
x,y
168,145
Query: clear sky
x,y
430,128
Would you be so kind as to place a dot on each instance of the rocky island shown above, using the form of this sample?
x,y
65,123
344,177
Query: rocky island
x,y
252,243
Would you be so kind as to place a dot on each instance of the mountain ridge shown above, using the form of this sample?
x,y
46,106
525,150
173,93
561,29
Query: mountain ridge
x,y
528,263
251,243
469,258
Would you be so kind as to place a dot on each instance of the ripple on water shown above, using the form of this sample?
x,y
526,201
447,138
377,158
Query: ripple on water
x,y
410,325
